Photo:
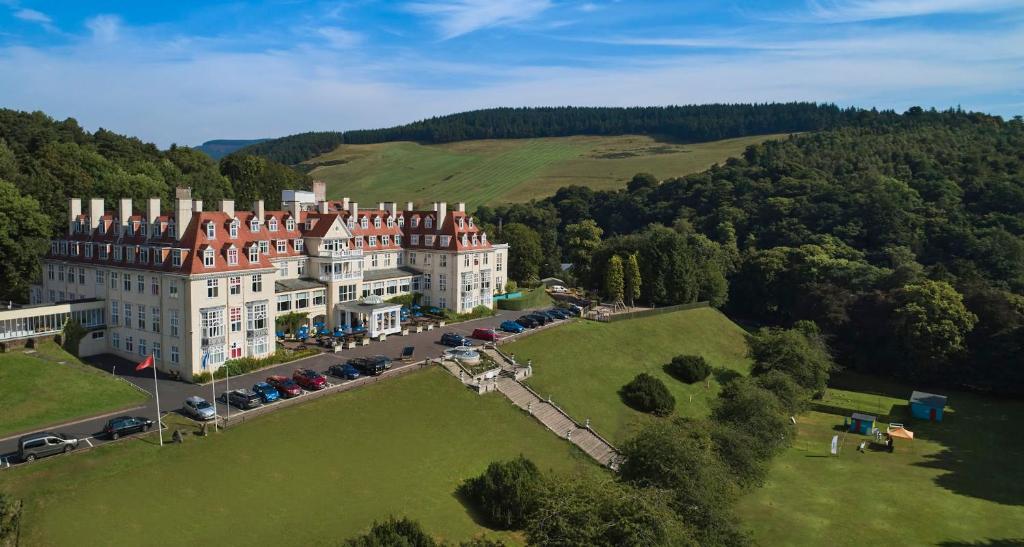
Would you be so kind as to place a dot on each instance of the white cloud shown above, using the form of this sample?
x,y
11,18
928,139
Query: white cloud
x,y
846,11
32,15
457,17
339,38
104,28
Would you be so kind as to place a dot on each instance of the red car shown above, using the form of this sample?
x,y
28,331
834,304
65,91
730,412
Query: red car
x,y
489,335
285,386
309,379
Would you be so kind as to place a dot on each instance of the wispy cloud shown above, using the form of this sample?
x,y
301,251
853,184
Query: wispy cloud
x,y
848,11
458,17
339,38
104,28
35,16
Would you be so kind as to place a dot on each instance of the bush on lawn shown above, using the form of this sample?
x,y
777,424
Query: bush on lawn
x,y
648,394
398,532
689,368
506,493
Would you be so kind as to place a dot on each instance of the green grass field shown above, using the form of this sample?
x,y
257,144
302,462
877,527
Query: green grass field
x,y
39,391
509,170
960,482
583,365
312,474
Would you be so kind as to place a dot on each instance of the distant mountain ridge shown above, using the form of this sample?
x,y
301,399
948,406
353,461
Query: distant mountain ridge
x,y
218,148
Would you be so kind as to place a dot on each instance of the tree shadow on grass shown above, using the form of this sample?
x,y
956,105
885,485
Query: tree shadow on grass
x,y
724,375
1008,542
471,509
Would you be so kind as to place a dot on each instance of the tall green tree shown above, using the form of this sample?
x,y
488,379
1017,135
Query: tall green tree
x,y
802,354
581,240
633,280
614,282
525,254
24,237
932,320
506,493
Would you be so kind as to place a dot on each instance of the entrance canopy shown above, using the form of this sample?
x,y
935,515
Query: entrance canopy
x,y
378,317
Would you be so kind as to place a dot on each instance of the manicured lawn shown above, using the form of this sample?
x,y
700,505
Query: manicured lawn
x,y
582,365
509,170
960,482
312,474
38,391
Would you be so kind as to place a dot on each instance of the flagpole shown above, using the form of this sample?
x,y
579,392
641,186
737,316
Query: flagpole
x,y
159,421
213,391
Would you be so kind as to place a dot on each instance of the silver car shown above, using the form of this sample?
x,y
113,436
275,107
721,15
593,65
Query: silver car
x,y
199,408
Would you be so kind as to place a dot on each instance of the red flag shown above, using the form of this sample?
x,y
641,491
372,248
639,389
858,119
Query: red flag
x,y
146,363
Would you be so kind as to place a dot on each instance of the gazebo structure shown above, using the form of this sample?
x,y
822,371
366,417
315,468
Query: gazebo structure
x,y
372,312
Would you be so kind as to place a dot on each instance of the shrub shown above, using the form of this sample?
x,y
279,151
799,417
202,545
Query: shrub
x,y
393,532
506,493
73,334
248,364
689,368
648,394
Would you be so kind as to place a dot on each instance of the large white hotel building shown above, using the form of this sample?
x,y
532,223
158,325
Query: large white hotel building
x,y
188,283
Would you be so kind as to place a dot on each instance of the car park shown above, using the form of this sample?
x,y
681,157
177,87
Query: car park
x,y
344,370
44,443
285,386
454,339
309,379
489,335
267,392
511,326
528,322
244,399
126,425
198,408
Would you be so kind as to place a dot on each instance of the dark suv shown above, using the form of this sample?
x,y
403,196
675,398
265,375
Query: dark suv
x,y
454,339
126,425
368,366
42,444
244,399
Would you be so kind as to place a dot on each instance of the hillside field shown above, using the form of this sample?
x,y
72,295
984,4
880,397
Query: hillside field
x,y
582,365
508,170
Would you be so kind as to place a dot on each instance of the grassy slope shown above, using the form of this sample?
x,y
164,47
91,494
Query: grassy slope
x,y
498,171
311,474
37,391
959,482
583,365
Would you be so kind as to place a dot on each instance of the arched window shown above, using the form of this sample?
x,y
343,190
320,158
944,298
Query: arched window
x,y
465,240
376,222
401,222
483,238
233,228
211,230
254,224
364,222
272,224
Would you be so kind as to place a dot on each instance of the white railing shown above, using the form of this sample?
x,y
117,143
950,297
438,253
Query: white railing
x,y
349,253
340,276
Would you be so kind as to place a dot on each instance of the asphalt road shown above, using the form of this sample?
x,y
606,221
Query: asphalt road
x,y
173,392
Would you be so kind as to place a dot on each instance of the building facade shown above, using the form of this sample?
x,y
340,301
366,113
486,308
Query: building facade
x,y
196,288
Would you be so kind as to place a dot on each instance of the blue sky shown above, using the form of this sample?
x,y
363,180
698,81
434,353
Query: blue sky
x,y
188,71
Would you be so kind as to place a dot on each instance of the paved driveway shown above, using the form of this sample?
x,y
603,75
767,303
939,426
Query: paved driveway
x,y
173,392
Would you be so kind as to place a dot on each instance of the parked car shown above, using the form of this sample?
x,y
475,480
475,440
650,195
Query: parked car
x,y
285,386
367,366
550,315
528,322
489,335
199,408
511,326
309,379
573,309
244,399
267,392
560,313
540,318
343,370
44,443
454,339
559,289
384,360
126,425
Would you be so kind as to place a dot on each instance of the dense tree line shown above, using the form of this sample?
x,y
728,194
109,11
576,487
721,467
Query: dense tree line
x,y
686,123
902,237
44,161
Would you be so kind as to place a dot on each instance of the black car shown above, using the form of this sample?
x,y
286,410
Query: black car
x,y
382,359
244,399
541,319
455,340
550,314
527,322
559,313
368,366
126,425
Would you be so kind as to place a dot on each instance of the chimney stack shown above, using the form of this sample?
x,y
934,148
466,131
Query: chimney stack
x,y
295,209
408,206
197,206
380,206
152,212
227,206
74,210
124,213
462,207
344,203
259,211
95,212
323,206
182,214
442,212
183,192
391,207
353,210
319,191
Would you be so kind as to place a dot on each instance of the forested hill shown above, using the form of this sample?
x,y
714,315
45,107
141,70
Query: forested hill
x,y
219,148
44,161
692,123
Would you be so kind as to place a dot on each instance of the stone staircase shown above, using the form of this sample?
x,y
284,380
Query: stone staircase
x,y
558,421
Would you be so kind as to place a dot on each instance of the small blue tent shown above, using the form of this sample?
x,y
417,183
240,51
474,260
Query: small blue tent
x,y
927,406
861,423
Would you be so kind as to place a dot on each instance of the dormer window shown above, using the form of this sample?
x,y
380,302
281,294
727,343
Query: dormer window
x,y
264,247
208,258
233,228
384,240
462,223
376,222
254,225
254,254
142,228
391,222
428,223
474,240
176,257
232,256
470,222
211,230
131,228
415,221
282,246
117,252
373,241
289,224
398,240
272,224
364,223
88,250
465,240
170,227
359,243
483,238
143,255
298,245
351,222
401,222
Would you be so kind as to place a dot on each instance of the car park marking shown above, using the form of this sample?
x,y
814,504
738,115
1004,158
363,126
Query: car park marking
x,y
6,462
87,439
